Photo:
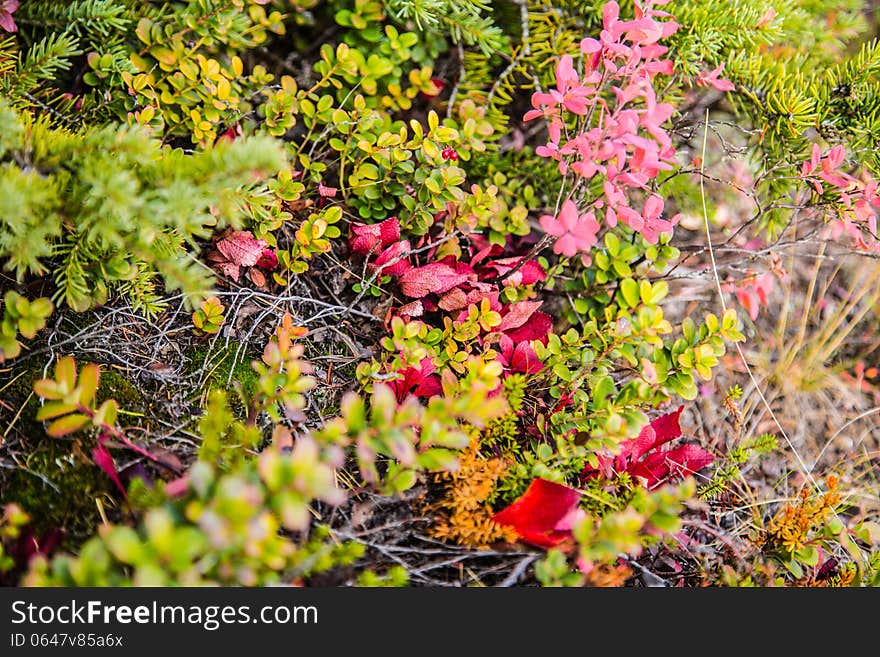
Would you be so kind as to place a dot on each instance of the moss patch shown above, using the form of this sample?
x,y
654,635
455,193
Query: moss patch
x,y
220,362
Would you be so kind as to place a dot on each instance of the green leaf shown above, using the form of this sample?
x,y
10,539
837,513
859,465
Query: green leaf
x,y
106,413
65,374
88,383
603,387
438,459
67,424
808,555
630,291
54,409
47,389
124,543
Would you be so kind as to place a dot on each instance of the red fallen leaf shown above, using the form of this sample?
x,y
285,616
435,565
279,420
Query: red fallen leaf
x,y
103,460
435,277
257,278
241,248
518,314
537,327
421,382
368,237
268,260
224,266
544,515
395,255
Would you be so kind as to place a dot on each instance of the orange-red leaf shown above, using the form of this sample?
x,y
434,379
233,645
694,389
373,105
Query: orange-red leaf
x,y
544,515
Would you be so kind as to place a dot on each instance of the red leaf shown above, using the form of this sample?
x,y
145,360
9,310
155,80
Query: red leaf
x,y
268,260
396,253
421,382
435,277
536,328
455,299
241,248
368,238
659,432
525,359
520,358
642,457
518,314
103,460
688,459
544,515
529,273
660,466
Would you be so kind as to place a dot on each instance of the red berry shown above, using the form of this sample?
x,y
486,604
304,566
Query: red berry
x,y
449,153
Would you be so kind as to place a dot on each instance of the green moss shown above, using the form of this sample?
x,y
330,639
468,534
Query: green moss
x,y
114,385
222,366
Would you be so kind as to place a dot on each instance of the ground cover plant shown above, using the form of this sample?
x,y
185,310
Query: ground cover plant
x,y
439,293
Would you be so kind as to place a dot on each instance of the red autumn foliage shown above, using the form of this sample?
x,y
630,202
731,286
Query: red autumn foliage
x,y
241,249
393,260
436,278
519,357
268,260
642,458
368,238
544,514
421,381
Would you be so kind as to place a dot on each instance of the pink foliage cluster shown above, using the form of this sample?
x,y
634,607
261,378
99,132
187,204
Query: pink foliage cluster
x,y
623,140
7,8
752,291
859,197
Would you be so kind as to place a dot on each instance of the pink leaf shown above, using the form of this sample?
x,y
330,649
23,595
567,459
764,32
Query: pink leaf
x,y
368,238
326,191
177,487
241,248
537,327
433,278
103,460
393,260
7,8
544,515
411,309
520,358
518,314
